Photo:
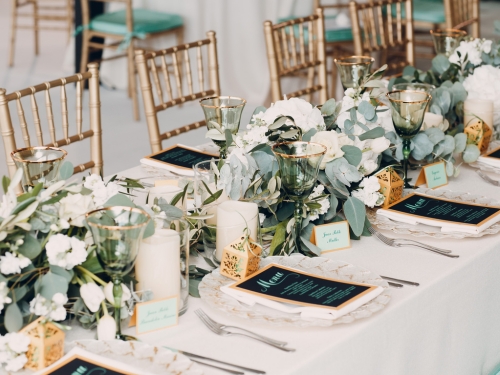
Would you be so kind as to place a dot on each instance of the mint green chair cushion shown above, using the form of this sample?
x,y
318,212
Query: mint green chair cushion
x,y
428,11
338,35
145,22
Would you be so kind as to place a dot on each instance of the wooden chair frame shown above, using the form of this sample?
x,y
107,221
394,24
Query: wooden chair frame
x,y
38,14
380,32
88,43
149,72
94,133
285,60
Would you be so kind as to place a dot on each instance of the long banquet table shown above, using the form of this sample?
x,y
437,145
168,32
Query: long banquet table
x,y
447,325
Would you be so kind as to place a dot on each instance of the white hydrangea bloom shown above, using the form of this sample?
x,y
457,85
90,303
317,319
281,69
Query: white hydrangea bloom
x,y
368,193
4,298
73,208
473,50
13,347
53,310
65,252
13,263
478,86
333,142
100,191
325,203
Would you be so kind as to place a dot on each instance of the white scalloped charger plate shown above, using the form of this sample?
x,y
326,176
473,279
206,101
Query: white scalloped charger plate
x,y
421,230
154,359
210,292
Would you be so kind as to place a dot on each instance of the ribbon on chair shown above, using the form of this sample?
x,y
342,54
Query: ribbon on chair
x,y
80,29
128,38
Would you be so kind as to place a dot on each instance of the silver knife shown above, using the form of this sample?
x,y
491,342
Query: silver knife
x,y
219,368
412,283
192,355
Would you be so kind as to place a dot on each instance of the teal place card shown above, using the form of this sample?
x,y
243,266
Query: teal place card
x,y
435,175
156,314
331,237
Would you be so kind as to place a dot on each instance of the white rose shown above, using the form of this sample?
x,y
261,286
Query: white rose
x,y
106,328
333,142
379,145
92,295
108,292
73,208
94,181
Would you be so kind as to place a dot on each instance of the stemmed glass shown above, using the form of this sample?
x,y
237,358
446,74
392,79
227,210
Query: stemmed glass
x,y
299,164
226,112
447,40
353,69
408,110
117,233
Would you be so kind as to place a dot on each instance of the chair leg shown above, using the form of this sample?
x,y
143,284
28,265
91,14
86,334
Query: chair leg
x,y
85,52
35,26
69,9
132,81
13,33
333,89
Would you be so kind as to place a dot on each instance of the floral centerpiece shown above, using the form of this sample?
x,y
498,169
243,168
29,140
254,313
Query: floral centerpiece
x,y
47,262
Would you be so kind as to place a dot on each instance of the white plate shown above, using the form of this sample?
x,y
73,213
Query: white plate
x,y
421,230
155,359
485,167
210,292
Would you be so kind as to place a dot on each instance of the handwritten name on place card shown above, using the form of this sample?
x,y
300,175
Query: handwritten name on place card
x,y
434,175
156,314
330,237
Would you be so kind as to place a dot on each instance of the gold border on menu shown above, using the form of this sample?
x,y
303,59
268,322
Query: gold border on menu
x,y
150,157
445,200
304,304
86,359
487,155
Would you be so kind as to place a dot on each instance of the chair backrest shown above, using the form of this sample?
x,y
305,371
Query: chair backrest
x,y
297,46
177,87
463,14
93,133
386,27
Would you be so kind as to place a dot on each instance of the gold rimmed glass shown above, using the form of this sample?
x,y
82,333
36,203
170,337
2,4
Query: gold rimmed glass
x,y
353,69
413,86
39,165
225,111
408,110
299,165
447,40
117,233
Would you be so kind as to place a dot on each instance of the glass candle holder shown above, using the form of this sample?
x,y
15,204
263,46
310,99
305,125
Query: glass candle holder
x,y
447,40
353,70
225,111
163,262
413,86
299,165
39,165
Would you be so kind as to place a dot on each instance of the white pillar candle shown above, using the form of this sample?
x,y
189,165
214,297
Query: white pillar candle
x,y
432,120
474,108
232,218
158,264
212,207
167,192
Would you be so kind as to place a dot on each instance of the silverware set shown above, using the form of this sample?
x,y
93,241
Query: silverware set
x,y
487,178
403,242
223,330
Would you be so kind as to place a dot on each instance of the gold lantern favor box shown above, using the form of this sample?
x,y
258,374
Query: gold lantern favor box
x,y
240,258
47,344
391,186
479,133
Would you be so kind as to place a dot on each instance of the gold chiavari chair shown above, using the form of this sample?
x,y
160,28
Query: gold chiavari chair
x,y
384,27
295,47
93,133
124,27
464,15
171,90
42,10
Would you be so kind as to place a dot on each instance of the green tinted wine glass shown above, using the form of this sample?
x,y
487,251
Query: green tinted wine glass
x,y
408,110
447,40
117,233
299,164
353,69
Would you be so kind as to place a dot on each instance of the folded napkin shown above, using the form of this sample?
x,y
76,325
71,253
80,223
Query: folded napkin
x,y
446,227
494,162
304,311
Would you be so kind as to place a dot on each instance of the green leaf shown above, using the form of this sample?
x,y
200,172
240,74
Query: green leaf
x,y
328,108
352,154
66,170
332,211
92,264
5,184
13,319
193,288
460,142
31,247
213,197
229,137
367,110
119,200
51,284
307,137
372,134
280,121
290,134
279,237
440,64
315,250
355,214
435,135
422,146
21,206
215,134
471,154
68,275
18,293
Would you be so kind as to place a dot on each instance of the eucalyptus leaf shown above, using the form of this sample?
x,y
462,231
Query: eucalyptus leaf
x,y
460,142
355,214
229,137
193,288
422,146
290,134
471,153
13,319
31,247
215,135
51,284
372,134
119,200
311,247
280,121
435,135
366,109
440,64
329,107
66,170
307,137
332,211
67,274
352,154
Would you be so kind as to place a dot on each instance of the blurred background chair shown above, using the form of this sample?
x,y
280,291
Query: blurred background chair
x,y
384,28
296,48
166,81
43,14
7,123
124,27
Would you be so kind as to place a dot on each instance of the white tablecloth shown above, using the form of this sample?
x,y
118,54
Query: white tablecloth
x,y
448,325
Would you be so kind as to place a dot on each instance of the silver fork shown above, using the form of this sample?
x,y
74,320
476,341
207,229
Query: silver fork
x,y
201,313
487,178
399,242
222,332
